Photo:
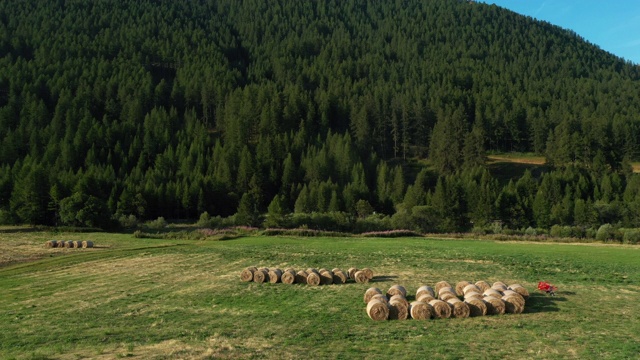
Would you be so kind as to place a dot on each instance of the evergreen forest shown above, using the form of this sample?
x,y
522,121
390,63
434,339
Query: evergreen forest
x,y
337,115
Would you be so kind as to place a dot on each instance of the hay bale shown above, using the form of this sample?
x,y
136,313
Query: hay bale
x,y
473,295
60,243
494,306
380,297
275,276
321,270
441,309
290,269
459,308
513,304
378,310
515,297
368,272
87,244
260,276
370,293
446,295
493,293
51,244
425,298
361,277
301,277
499,286
521,290
312,270
483,285
288,276
398,309
460,285
335,269
477,307
420,310
442,284
448,289
68,244
313,279
471,288
352,273
339,277
400,298
425,290
397,290
326,277
247,273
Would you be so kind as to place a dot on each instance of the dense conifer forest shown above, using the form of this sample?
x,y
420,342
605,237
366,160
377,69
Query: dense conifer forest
x,y
330,114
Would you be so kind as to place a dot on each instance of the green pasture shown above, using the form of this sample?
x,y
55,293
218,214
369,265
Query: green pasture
x,y
171,299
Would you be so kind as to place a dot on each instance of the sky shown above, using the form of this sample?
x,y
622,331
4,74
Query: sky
x,y
613,25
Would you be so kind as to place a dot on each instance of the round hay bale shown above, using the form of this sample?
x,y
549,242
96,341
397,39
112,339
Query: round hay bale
x,y
312,270
322,270
425,298
275,276
472,295
335,269
513,305
499,286
425,290
477,307
289,269
471,288
326,277
368,272
440,285
339,277
494,306
521,290
493,293
514,297
352,273
509,292
301,277
378,310
361,277
420,310
313,279
68,244
51,244
397,290
460,285
87,244
459,308
370,293
399,297
380,297
398,309
60,243
446,295
247,273
483,285
77,244
288,276
441,309
447,289
260,276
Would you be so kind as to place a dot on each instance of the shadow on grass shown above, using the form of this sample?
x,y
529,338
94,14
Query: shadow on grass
x,y
539,303
382,278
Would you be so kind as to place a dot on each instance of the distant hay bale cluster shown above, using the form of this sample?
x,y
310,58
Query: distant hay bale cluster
x,y
310,276
443,301
68,244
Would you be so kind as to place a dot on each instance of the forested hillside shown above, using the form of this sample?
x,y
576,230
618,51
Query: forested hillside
x,y
312,112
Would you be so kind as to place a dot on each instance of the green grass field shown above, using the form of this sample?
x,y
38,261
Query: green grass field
x,y
161,299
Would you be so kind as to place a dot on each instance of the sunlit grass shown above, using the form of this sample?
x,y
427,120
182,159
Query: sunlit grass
x,y
151,299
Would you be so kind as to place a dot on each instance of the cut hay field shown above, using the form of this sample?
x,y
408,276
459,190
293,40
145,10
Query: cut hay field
x,y
160,299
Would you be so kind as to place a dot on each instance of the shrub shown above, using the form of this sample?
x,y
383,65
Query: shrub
x,y
531,231
631,236
159,223
128,222
605,232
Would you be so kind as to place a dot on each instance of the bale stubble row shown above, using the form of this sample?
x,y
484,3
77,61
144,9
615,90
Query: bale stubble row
x,y
310,276
464,300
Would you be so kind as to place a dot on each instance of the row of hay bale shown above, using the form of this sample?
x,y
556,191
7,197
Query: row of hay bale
x,y
68,244
444,301
310,276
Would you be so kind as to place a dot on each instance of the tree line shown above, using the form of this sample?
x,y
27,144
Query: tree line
x,y
114,110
